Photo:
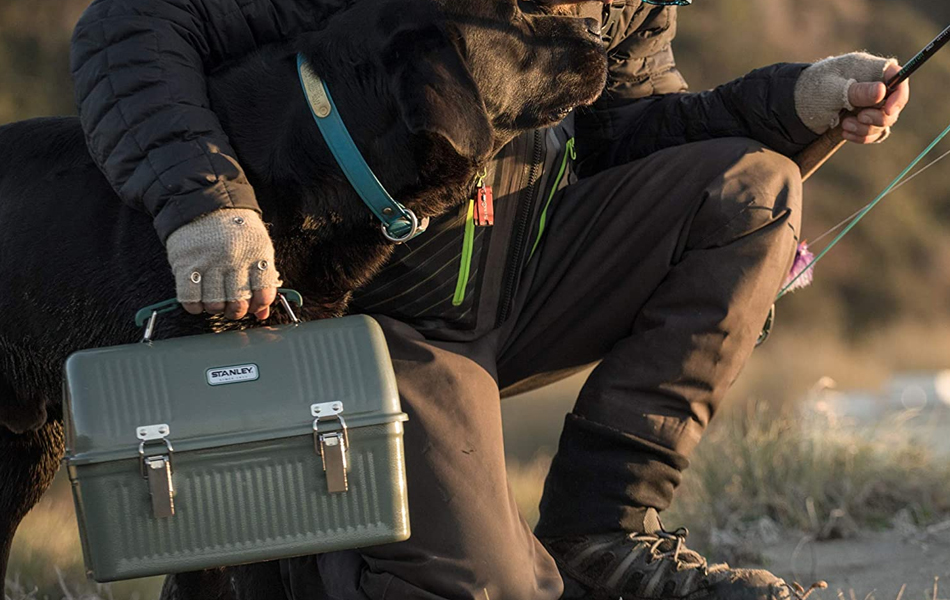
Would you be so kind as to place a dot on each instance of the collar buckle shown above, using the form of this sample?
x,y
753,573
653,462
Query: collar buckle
x,y
404,229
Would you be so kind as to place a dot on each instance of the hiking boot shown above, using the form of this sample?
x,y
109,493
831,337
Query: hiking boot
x,y
652,565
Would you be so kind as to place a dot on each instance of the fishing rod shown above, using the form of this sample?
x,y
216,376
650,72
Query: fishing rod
x,y
814,156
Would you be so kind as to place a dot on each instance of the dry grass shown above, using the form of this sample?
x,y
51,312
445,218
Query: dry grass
x,y
766,476
810,471
46,563
932,594
15,590
804,471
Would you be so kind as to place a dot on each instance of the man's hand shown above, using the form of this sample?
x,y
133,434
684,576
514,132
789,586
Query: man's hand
x,y
223,263
872,122
258,305
850,82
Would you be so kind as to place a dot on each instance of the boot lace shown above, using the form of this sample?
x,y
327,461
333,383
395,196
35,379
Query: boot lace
x,y
671,546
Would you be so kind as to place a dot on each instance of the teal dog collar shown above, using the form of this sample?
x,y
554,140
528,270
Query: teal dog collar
x,y
399,224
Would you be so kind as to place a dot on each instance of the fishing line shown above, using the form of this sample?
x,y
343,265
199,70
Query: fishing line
x,y
864,211
846,220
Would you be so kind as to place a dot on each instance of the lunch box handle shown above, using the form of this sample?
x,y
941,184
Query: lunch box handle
x,y
148,315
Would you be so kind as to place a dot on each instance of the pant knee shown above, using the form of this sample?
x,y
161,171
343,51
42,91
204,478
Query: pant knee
x,y
753,188
776,179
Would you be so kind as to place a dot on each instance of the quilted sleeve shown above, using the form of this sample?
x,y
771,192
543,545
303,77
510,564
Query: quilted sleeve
x,y
646,106
140,75
640,55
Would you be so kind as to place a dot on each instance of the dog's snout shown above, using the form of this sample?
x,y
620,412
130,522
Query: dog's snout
x,y
593,27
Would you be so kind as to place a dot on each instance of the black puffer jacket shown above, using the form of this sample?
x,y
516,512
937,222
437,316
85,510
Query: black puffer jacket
x,y
140,69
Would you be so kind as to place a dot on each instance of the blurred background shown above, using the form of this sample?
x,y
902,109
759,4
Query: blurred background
x,y
830,461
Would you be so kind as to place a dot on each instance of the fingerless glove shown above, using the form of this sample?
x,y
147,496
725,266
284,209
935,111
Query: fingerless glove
x,y
222,256
821,92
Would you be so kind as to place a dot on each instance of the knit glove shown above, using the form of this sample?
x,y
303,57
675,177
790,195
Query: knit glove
x,y
822,90
222,256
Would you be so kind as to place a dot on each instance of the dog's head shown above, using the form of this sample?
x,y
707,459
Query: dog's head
x,y
532,64
472,73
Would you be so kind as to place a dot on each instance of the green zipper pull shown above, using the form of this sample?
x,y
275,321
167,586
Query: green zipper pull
x,y
569,152
465,267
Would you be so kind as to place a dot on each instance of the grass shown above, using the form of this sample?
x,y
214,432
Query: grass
x,y
46,562
810,471
805,471
766,475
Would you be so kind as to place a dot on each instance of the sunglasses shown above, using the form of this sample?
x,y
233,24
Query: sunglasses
x,y
668,2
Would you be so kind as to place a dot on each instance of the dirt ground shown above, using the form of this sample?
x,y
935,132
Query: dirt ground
x,y
876,564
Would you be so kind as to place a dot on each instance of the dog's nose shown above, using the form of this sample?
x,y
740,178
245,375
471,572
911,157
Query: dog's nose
x,y
593,27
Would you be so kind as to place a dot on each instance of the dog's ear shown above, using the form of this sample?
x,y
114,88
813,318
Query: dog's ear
x,y
435,90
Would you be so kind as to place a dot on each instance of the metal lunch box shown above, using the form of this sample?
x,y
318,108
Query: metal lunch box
x,y
235,447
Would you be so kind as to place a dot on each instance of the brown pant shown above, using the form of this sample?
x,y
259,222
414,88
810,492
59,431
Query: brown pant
x,y
663,269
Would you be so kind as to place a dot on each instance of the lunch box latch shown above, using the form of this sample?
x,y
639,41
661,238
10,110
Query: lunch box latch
x,y
157,468
331,446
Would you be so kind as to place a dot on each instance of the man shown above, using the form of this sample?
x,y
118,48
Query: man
x,y
657,252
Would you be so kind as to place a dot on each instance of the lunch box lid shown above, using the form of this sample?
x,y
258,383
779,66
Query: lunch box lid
x,y
229,388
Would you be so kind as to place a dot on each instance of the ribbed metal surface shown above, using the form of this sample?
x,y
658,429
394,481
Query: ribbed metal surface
x,y
124,378
243,508
335,352
271,502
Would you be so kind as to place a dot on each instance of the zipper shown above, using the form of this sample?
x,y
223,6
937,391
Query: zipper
x,y
569,153
513,268
485,216
465,268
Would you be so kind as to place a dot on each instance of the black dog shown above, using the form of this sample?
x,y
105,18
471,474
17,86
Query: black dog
x,y
429,91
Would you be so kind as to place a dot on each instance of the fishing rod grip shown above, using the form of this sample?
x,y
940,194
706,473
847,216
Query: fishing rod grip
x,y
811,158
